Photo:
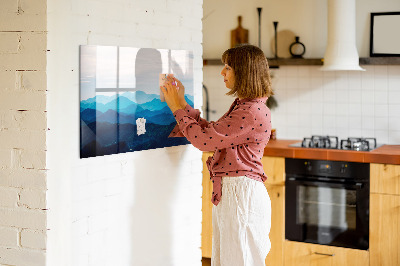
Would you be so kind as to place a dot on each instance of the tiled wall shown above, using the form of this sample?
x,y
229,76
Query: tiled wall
x,y
343,103
313,102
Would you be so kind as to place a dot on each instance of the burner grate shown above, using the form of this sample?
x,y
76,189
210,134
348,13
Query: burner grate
x,y
358,144
332,142
327,142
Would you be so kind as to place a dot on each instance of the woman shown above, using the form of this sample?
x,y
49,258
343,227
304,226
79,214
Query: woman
x,y
242,208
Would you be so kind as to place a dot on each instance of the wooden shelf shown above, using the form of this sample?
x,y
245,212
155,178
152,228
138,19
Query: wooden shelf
x,y
274,63
380,61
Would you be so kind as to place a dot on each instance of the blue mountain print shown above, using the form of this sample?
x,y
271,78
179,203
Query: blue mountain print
x,y
108,123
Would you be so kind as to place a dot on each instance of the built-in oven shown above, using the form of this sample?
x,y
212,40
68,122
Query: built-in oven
x,y
327,202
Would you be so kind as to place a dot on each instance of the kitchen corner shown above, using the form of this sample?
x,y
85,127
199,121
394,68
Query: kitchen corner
x,y
381,194
330,206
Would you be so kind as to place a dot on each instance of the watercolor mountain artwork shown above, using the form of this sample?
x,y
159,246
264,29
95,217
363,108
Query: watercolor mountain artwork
x,y
120,106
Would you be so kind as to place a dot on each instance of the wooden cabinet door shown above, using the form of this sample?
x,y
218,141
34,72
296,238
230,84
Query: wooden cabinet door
x,y
274,168
206,225
304,254
385,178
384,237
277,233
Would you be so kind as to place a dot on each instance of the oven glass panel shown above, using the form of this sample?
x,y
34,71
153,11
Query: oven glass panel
x,y
326,207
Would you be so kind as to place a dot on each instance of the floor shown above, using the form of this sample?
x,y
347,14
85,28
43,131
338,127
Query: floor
x,y
206,261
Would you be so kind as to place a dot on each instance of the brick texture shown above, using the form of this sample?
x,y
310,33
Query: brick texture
x,y
9,237
33,239
23,125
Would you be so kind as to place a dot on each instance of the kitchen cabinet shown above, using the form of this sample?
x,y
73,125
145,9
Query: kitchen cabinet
x,y
305,254
384,221
385,178
274,168
385,215
277,233
206,225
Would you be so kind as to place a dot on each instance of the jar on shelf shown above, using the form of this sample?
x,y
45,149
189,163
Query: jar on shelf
x,y
297,49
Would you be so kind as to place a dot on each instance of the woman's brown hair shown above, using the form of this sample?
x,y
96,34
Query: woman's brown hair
x,y
250,66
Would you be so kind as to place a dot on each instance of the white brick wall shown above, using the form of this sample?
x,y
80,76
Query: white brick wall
x,y
23,132
140,208
33,239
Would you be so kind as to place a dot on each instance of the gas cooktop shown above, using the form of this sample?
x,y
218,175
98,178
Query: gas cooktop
x,y
332,142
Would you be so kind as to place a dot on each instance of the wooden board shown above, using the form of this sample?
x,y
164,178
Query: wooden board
x,y
206,225
304,254
239,35
277,233
384,236
274,168
385,178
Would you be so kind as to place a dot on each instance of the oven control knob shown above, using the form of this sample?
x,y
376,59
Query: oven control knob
x,y
343,168
308,166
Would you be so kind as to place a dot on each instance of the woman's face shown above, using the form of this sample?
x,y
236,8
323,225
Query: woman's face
x,y
229,76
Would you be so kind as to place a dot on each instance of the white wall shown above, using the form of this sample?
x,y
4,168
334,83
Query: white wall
x,y
306,19
140,208
23,133
311,102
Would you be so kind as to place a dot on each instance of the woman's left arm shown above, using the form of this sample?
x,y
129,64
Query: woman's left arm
x,y
238,128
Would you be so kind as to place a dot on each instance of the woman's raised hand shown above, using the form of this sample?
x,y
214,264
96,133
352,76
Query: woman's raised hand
x,y
174,97
181,92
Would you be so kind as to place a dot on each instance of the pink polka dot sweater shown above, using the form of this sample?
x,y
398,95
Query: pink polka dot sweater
x,y
238,139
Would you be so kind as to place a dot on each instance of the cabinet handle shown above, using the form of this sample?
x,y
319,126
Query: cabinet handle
x,y
324,254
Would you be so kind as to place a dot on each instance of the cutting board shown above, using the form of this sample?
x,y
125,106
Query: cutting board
x,y
239,35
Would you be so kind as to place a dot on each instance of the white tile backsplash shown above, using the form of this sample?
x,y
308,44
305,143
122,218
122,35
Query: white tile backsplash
x,y
367,96
368,123
394,97
394,82
329,109
394,123
304,82
394,110
292,82
382,136
381,110
380,71
367,109
355,109
394,137
381,96
342,103
343,96
380,84
342,123
393,71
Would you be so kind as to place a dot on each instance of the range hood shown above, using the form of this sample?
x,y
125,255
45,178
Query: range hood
x,y
341,51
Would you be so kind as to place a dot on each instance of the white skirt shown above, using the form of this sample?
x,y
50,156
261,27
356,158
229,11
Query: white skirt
x,y
241,223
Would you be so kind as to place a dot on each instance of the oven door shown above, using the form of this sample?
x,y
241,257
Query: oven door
x,y
327,213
